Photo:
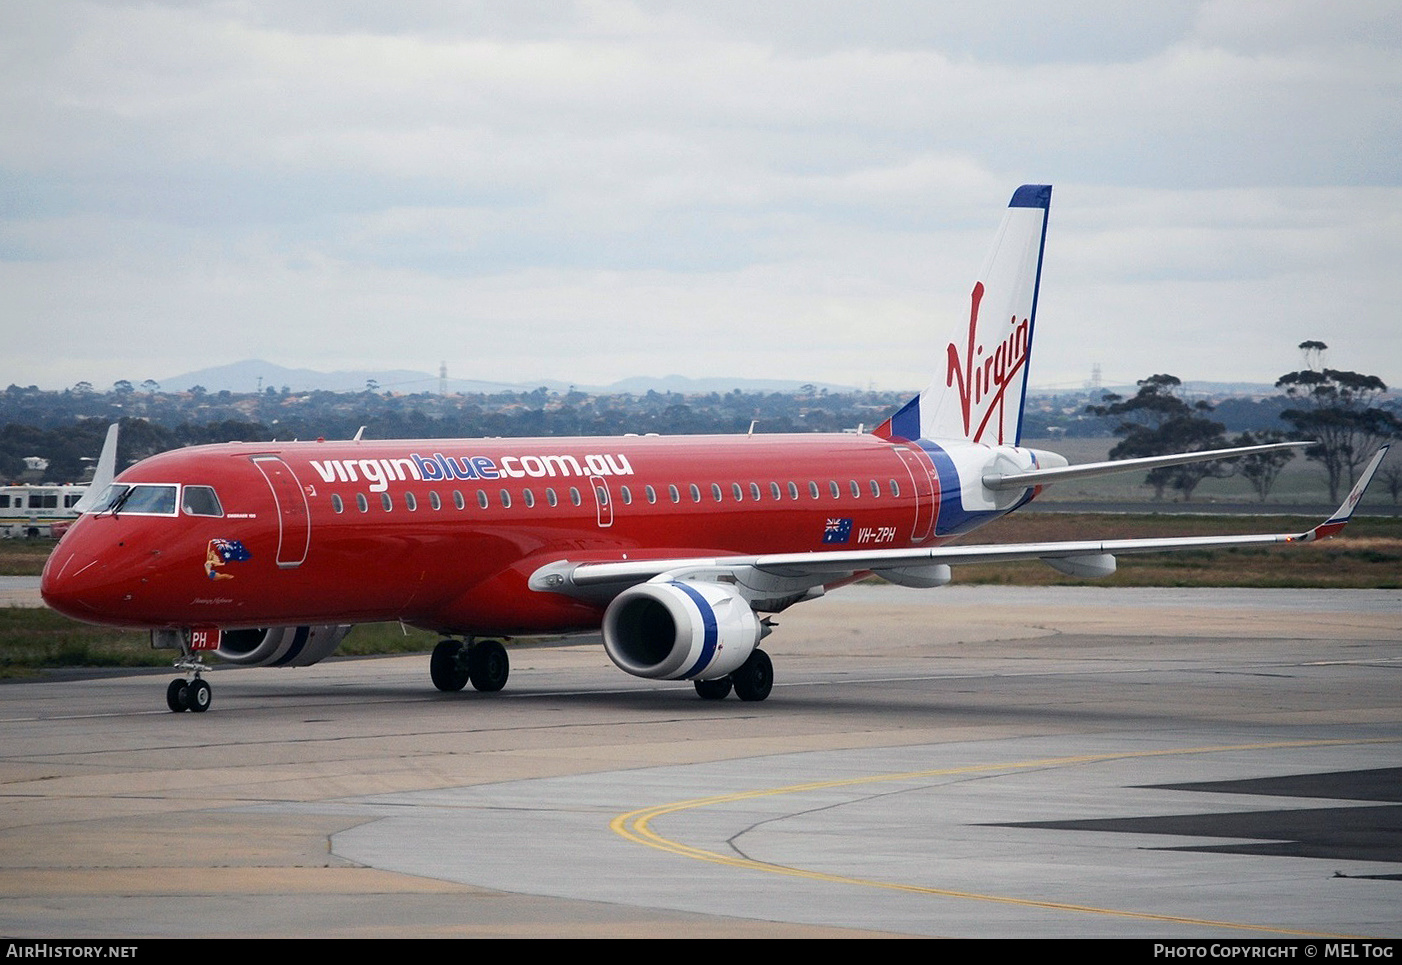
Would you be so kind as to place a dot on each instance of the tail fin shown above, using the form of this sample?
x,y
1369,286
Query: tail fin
x,y
102,476
979,396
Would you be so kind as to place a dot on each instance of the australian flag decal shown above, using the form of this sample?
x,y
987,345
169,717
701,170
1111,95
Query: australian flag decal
x,y
223,551
229,550
837,531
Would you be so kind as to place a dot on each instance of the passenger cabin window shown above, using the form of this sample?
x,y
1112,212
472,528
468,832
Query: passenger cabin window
x,y
410,503
433,499
336,504
361,504
201,501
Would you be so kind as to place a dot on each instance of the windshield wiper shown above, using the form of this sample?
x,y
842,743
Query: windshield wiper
x,y
120,501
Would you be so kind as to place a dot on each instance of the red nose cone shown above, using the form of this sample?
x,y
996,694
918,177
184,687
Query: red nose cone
x,y
90,578
70,582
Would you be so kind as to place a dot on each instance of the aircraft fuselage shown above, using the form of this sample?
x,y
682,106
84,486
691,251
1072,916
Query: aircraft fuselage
x,y
443,534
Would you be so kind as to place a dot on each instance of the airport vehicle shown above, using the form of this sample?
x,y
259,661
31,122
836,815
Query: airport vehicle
x,y
35,510
679,548
31,510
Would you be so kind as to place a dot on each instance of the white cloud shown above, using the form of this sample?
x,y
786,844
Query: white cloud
x,y
588,190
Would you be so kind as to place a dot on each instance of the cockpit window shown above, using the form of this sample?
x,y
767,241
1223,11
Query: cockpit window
x,y
109,496
144,499
200,501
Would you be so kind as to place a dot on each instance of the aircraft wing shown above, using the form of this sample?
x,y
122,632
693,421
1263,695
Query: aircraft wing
x,y
773,581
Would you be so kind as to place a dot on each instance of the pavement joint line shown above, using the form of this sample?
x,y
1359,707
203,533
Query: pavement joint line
x,y
635,826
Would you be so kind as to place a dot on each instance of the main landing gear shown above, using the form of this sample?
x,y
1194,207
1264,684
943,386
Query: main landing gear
x,y
752,681
483,662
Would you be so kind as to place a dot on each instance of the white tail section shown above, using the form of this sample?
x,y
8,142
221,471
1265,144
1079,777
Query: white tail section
x,y
102,475
977,391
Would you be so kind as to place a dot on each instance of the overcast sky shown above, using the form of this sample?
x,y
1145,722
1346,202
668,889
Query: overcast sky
x,y
584,191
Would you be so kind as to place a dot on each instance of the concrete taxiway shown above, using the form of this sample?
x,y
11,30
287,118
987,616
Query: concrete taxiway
x,y
965,762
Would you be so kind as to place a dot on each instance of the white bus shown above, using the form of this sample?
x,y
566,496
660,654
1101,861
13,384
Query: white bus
x,y
38,510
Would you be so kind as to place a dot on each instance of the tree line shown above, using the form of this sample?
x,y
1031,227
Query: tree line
x,y
1343,412
1346,412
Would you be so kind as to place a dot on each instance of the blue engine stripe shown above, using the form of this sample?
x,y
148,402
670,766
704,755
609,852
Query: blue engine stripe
x,y
299,642
708,643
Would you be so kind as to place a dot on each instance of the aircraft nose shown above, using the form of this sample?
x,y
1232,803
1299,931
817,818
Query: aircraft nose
x,y
82,582
68,582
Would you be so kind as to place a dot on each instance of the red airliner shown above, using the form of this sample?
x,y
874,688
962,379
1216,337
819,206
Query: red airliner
x,y
266,554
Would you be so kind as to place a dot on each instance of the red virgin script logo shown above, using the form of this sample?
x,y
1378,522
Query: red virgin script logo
x,y
983,376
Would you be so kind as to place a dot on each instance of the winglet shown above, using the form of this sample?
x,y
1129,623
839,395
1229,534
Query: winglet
x,y
1336,523
103,473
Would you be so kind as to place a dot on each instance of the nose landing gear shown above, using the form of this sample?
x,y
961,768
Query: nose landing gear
x,y
194,694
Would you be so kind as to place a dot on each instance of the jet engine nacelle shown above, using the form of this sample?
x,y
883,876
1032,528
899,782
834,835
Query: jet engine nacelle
x,y
680,631
280,646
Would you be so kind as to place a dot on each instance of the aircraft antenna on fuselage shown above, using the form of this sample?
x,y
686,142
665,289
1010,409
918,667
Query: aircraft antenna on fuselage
x,y
979,385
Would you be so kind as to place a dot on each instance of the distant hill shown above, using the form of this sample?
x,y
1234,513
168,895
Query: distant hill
x,y
245,377
641,385
1190,388
254,375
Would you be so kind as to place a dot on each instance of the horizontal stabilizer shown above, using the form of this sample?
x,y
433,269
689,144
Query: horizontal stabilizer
x,y
1043,477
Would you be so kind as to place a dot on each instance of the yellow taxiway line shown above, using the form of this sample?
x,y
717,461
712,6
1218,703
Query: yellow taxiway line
x,y
636,826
